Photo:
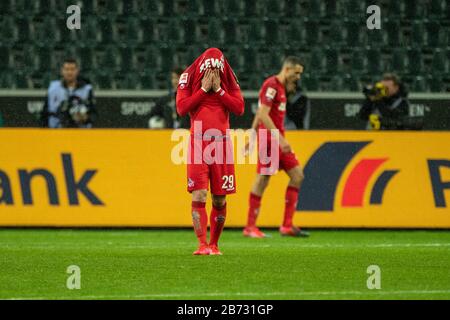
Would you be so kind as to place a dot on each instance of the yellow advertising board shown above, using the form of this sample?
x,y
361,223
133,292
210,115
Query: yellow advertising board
x,y
128,178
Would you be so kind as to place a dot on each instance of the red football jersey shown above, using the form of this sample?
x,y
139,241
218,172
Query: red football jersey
x,y
273,95
211,108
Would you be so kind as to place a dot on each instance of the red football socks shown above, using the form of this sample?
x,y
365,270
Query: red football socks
x,y
291,203
200,221
217,221
253,211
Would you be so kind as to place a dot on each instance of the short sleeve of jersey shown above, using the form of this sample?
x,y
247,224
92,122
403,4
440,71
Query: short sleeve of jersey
x,y
267,94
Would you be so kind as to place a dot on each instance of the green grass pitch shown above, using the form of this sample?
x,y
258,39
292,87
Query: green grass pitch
x,y
158,264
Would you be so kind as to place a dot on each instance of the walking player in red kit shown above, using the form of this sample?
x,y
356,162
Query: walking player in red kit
x,y
270,117
208,90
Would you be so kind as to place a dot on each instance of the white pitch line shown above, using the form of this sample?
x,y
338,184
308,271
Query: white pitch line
x,y
242,294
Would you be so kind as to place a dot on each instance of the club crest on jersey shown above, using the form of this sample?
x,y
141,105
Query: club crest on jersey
x,y
212,63
190,183
183,78
270,93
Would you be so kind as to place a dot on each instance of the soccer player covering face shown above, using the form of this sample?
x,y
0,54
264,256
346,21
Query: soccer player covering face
x,y
208,90
270,116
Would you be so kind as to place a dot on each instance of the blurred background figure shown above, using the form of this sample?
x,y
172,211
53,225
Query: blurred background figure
x,y
70,101
164,114
297,108
387,107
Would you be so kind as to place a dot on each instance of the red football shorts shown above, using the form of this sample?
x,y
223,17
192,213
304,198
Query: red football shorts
x,y
211,162
268,165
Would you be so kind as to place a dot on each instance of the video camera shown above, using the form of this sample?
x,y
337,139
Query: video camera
x,y
375,91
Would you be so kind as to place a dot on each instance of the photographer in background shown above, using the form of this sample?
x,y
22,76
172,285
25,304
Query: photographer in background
x,y
70,101
164,114
387,107
298,108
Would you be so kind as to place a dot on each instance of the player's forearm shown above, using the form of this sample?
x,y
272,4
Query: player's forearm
x,y
266,120
255,122
187,103
233,102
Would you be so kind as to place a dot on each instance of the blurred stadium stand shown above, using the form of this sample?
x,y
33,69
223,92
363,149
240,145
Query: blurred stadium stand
x,y
133,44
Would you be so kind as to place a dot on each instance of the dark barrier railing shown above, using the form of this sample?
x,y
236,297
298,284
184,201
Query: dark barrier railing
x,y
131,109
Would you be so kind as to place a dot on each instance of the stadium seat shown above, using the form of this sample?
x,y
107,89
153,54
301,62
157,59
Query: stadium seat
x,y
232,8
414,9
291,9
126,58
21,80
332,9
395,9
148,28
419,84
231,32
194,8
129,7
357,61
437,8
439,62
25,8
332,61
417,33
148,79
316,61
415,61
434,34
150,8
151,58
296,32
106,30
251,58
173,32
131,81
23,27
399,60
254,34
28,58
167,54
6,80
355,9
335,33
45,58
108,61
133,30
336,83
88,34
310,82
86,55
5,58
435,83
190,26
392,27
234,57
7,32
374,63
351,83
315,9
103,80
272,32
352,33
312,32
6,6
168,8
214,35
211,8
48,31
272,8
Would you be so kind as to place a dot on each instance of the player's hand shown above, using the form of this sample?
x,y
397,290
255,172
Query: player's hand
x,y
207,80
249,145
284,145
216,80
